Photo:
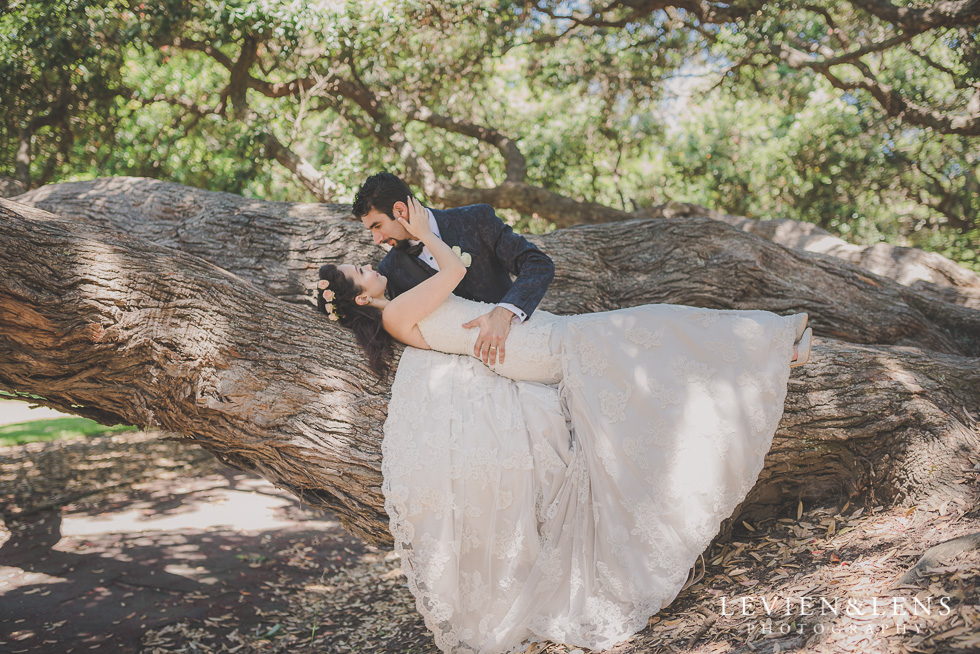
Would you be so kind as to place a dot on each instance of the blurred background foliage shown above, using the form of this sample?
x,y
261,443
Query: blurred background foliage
x,y
761,109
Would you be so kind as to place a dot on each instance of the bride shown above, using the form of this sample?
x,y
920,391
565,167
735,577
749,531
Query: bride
x,y
563,493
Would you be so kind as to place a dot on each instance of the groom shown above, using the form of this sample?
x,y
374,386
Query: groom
x,y
495,251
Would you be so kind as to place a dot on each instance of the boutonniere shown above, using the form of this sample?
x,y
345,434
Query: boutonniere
x,y
463,256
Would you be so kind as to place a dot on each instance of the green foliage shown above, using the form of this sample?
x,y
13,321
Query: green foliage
x,y
59,74
54,429
630,114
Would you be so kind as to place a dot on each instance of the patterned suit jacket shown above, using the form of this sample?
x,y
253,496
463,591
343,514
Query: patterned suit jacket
x,y
497,253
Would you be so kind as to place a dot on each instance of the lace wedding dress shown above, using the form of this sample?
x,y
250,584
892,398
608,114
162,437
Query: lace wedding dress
x,y
566,495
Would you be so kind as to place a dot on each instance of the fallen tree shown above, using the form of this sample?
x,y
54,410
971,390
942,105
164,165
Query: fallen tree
x,y
169,307
10,187
278,246
929,272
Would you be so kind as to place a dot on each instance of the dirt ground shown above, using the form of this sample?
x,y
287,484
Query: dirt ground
x,y
130,543
111,541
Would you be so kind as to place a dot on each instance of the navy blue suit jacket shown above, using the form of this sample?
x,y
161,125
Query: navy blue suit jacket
x,y
497,253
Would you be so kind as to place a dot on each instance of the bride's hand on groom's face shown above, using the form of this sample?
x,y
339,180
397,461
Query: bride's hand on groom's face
x,y
418,219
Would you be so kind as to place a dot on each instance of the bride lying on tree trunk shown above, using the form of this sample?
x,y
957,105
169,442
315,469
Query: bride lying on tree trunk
x,y
563,491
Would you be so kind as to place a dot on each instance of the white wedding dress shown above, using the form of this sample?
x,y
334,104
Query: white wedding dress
x,y
570,504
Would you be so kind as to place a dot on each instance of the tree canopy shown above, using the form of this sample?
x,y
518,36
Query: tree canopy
x,y
143,301
862,116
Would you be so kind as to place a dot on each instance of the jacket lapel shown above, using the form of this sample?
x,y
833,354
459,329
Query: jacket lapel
x,y
447,227
474,281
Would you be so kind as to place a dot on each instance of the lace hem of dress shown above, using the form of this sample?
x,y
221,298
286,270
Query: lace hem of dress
x,y
431,418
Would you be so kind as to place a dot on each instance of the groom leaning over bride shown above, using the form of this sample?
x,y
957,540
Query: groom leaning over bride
x,y
564,492
490,249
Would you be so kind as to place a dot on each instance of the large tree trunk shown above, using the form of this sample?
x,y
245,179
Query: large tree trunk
x,y
10,187
278,246
928,272
117,328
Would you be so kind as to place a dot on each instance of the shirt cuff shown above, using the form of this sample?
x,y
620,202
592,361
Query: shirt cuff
x,y
519,315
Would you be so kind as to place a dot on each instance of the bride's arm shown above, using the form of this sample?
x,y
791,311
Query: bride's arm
x,y
402,315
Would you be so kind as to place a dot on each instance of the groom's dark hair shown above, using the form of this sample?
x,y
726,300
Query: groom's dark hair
x,y
380,192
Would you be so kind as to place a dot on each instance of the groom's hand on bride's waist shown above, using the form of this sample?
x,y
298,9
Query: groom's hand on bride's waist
x,y
494,327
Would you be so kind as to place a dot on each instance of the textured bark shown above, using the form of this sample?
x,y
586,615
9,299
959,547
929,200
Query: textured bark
x,y
702,262
887,423
116,328
928,272
10,187
278,246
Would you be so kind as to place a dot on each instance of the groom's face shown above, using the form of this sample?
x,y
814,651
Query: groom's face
x,y
385,229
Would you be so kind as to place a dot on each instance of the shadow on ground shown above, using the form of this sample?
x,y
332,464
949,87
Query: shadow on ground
x,y
111,561
127,543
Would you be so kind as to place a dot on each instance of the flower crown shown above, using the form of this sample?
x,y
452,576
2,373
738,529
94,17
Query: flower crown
x,y
328,297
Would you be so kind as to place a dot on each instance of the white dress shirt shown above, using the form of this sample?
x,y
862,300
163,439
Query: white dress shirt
x,y
427,257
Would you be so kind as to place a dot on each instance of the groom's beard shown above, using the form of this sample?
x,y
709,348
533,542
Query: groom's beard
x,y
401,244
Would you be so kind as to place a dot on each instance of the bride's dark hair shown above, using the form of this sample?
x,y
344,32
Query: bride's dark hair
x,y
364,321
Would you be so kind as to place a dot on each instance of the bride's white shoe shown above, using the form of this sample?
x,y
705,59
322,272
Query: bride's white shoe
x,y
801,326
802,349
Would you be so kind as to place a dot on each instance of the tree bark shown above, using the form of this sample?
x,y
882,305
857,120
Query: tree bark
x,y
885,423
697,261
119,330
114,327
10,187
928,272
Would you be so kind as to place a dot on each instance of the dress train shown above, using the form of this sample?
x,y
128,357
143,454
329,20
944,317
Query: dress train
x,y
573,511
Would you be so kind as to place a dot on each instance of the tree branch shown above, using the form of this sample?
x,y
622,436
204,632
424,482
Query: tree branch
x,y
516,164
891,101
313,179
868,48
10,187
831,23
218,360
206,48
928,272
946,13
178,101
698,260
239,78
957,80
706,12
